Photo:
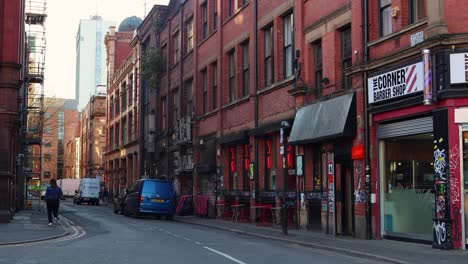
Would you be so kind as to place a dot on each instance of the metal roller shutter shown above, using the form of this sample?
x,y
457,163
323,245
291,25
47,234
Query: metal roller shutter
x,y
404,128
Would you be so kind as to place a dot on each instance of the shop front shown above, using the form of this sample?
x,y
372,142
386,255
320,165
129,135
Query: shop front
x,y
323,134
418,145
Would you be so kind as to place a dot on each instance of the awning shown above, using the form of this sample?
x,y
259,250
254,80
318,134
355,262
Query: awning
x,y
268,128
324,120
233,138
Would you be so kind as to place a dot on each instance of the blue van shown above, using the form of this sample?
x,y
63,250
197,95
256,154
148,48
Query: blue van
x,y
150,196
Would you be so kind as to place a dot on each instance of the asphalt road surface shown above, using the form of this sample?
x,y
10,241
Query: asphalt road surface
x,y
99,236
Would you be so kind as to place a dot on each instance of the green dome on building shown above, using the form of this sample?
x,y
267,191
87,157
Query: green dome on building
x,y
130,23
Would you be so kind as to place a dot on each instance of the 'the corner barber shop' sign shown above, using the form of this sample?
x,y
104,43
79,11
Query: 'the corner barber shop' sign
x,y
396,83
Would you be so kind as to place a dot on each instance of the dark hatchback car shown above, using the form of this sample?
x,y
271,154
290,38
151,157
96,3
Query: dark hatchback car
x,y
147,197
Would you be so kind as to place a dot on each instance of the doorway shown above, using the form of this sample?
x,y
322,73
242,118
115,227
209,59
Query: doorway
x,y
344,196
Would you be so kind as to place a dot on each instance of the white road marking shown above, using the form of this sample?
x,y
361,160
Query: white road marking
x,y
198,243
188,239
225,255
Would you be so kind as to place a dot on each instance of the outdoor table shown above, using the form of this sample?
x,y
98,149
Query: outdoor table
x,y
255,207
236,211
273,213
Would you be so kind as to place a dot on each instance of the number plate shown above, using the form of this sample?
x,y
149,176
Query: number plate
x,y
157,200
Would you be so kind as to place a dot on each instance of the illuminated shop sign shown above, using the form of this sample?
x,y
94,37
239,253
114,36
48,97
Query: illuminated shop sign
x,y
396,83
459,68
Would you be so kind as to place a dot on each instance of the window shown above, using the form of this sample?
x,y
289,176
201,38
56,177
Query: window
x,y
232,77
189,93
47,115
318,67
130,127
288,35
47,130
231,7
61,125
47,174
111,138
164,113
244,2
215,14
47,157
270,170
130,90
245,68
124,95
176,47
214,75
117,135
48,144
232,169
385,17
164,58
205,91
124,131
176,104
346,56
246,167
189,30
204,20
268,58
117,103
417,10
111,110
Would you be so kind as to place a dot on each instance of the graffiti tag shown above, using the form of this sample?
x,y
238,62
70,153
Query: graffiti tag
x,y
359,194
439,163
441,233
454,162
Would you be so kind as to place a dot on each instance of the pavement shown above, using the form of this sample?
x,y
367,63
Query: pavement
x,y
30,226
389,251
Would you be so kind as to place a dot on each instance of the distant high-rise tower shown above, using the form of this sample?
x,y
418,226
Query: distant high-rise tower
x,y
90,58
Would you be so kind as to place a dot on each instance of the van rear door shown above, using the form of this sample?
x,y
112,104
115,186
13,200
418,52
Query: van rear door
x,y
157,195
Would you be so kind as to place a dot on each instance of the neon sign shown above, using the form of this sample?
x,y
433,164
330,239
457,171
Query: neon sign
x,y
232,164
268,152
246,157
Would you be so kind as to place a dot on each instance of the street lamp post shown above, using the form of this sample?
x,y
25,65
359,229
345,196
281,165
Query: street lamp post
x,y
284,209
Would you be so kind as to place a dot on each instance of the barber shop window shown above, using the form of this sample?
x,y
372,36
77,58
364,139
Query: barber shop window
x,y
417,10
385,17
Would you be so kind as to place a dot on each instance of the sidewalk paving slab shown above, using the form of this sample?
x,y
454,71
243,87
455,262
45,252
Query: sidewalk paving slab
x,y
30,226
380,250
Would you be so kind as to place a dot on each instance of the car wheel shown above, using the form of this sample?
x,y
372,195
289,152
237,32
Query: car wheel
x,y
116,211
170,217
97,203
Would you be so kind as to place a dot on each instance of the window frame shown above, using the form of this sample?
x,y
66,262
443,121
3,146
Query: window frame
x,y
245,68
176,45
346,59
231,7
189,92
288,47
215,14
268,56
232,75
382,10
214,78
189,31
204,12
175,105
318,66
163,113
204,79
413,14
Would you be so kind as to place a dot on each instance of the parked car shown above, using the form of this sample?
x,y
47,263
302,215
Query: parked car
x,y
88,191
148,197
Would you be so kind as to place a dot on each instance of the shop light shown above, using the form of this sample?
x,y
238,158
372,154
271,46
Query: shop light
x,y
399,163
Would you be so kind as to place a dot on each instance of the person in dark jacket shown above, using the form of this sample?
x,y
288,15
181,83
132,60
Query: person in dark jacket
x,y
52,197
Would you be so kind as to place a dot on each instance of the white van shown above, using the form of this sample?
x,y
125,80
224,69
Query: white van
x,y
88,191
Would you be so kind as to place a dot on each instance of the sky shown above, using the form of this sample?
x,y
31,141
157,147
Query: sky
x,y
63,17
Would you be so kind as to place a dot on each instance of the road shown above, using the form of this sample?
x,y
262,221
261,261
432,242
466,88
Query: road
x,y
99,236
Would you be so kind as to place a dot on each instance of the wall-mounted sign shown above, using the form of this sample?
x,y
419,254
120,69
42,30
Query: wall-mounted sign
x,y
396,83
299,165
417,38
459,68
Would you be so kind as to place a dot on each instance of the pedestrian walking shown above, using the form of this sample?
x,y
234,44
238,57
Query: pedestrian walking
x,y
105,196
52,197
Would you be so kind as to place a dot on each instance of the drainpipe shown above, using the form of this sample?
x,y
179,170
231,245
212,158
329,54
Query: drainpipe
x,y
366,120
255,6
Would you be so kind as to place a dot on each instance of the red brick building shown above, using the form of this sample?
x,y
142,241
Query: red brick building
x,y
325,106
12,61
414,56
123,102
